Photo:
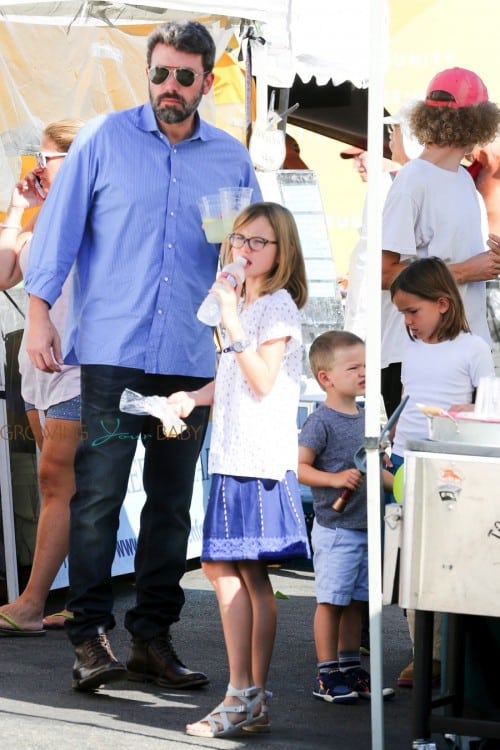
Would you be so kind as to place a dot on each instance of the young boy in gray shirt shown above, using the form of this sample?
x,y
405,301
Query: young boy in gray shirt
x,y
327,443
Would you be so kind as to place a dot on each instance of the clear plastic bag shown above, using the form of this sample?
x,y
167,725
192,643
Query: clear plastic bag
x,y
158,406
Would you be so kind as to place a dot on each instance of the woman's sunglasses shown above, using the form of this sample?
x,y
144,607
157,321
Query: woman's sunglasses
x,y
183,76
42,157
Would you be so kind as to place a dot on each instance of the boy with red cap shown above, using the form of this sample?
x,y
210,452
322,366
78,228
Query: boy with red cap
x,y
433,209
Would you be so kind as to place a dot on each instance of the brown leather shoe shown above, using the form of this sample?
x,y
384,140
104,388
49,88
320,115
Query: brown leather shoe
x,y
405,679
95,664
156,661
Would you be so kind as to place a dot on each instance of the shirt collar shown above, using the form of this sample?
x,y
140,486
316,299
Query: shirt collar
x,y
146,120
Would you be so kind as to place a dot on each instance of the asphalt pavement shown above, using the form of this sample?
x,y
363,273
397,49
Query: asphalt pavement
x,y
40,711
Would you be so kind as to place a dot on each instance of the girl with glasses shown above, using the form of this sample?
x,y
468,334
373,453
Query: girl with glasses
x,y
254,514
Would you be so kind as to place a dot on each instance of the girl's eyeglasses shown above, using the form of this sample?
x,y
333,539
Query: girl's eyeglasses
x,y
184,76
254,243
42,157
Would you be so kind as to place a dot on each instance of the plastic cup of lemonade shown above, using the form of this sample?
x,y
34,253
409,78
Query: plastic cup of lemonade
x,y
210,210
232,201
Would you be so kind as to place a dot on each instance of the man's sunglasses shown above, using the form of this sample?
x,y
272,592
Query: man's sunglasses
x,y
183,76
42,157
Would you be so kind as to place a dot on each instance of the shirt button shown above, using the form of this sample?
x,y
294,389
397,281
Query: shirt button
x,y
170,245
174,179
172,213
165,278
160,312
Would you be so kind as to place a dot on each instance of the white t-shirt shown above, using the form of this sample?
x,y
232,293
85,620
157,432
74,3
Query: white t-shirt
x,y
441,375
257,436
44,389
357,302
433,211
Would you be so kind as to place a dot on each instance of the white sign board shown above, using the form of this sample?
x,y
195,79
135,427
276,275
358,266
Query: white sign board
x,y
128,530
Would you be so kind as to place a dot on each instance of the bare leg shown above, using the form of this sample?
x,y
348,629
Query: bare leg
x,y
350,627
57,486
35,426
332,625
256,578
327,621
263,603
436,642
235,606
236,614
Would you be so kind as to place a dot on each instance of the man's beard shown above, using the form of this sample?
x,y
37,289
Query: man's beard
x,y
172,115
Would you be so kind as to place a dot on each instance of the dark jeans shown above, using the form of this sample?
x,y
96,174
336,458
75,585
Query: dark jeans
x,y
102,468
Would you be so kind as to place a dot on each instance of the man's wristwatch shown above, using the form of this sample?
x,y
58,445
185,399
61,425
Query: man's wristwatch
x,y
237,346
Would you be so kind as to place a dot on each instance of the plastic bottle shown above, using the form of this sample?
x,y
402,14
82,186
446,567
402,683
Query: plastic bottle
x,y
209,310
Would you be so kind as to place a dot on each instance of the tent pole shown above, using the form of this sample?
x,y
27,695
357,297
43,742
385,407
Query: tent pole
x,y
9,537
282,106
373,338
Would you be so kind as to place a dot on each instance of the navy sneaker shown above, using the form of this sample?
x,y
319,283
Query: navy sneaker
x,y
332,687
358,679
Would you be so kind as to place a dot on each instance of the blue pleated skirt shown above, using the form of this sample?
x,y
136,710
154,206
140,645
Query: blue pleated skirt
x,y
254,519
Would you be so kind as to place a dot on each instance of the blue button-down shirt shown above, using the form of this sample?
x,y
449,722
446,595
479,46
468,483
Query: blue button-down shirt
x,y
124,209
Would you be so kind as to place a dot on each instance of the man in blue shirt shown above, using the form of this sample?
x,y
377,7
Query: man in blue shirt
x,y
124,211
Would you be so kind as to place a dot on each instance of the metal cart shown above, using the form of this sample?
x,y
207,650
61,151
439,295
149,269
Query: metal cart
x,y
450,563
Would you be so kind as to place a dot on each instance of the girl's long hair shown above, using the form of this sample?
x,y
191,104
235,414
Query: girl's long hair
x,y
289,271
431,279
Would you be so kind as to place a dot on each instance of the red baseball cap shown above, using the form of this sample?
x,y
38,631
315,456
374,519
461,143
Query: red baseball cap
x,y
455,88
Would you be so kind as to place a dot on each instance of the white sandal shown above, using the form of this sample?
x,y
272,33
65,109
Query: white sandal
x,y
264,725
217,720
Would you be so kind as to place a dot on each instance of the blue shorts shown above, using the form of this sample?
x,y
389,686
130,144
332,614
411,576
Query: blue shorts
x,y
69,410
340,564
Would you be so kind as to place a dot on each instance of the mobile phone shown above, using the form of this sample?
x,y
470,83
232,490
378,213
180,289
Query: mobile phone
x,y
38,187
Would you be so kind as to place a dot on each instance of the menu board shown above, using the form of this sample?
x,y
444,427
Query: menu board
x,y
299,191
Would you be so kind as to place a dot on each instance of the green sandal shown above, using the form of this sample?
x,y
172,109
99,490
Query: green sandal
x,y
57,619
217,720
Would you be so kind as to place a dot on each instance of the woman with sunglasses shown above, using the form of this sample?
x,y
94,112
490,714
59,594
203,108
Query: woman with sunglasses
x,y
55,395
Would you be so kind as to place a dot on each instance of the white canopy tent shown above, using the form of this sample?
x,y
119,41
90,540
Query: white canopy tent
x,y
78,58
73,58
305,37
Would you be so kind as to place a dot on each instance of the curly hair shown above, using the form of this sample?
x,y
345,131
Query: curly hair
x,y
444,126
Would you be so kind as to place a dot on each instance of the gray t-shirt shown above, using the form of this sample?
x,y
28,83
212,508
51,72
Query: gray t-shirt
x,y
335,437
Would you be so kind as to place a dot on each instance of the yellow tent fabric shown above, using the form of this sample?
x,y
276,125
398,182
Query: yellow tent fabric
x,y
95,70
